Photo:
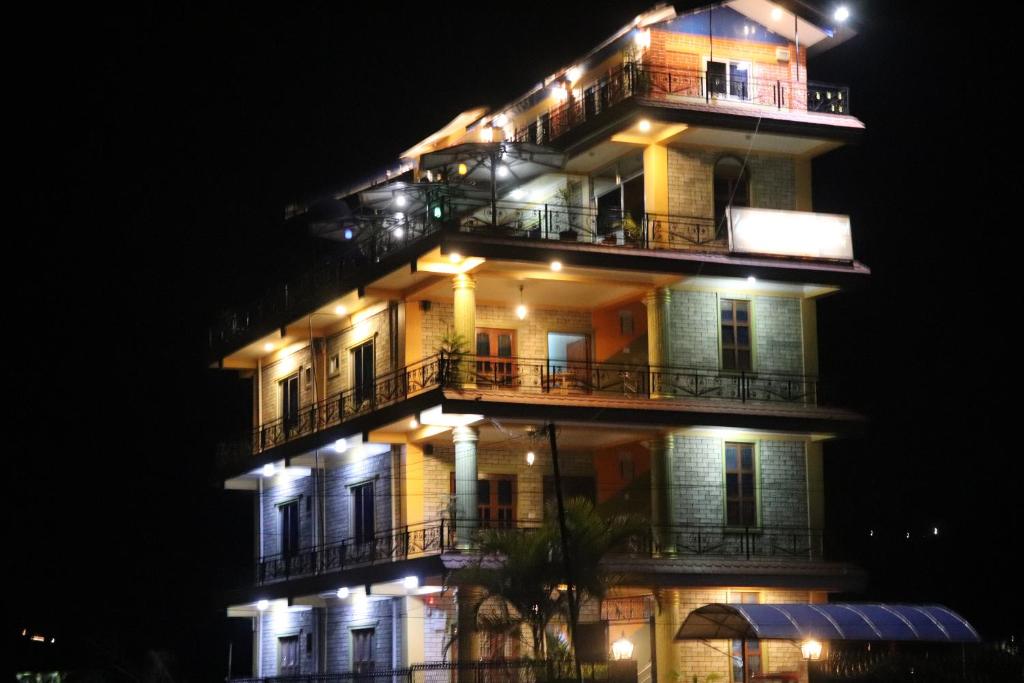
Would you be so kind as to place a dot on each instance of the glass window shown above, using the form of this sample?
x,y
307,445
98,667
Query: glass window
x,y
362,650
731,188
362,513
363,372
740,485
737,351
288,656
288,519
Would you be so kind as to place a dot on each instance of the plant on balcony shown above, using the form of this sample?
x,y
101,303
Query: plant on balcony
x,y
451,349
632,231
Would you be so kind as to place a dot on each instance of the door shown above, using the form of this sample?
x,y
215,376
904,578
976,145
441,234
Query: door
x,y
289,528
495,357
290,403
363,373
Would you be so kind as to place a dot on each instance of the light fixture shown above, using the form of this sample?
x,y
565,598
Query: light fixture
x,y
811,649
399,216
487,134
841,14
521,308
399,233
343,592
644,126
463,169
503,171
348,233
455,257
776,13
268,347
400,200
642,39
339,446
559,93
518,193
414,423
411,582
556,266
340,310
500,120
269,469
935,531
751,279
531,457
622,648
262,605
574,74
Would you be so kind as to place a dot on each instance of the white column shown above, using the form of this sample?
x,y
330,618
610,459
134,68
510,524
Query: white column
x,y
464,287
659,342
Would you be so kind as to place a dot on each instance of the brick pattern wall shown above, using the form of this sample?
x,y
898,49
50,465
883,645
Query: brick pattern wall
x,y
282,622
697,478
440,617
274,373
691,181
778,335
509,460
377,328
375,469
783,466
694,322
341,619
280,489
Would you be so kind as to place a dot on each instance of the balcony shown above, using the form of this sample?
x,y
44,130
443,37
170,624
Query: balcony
x,y
436,538
661,86
376,243
493,383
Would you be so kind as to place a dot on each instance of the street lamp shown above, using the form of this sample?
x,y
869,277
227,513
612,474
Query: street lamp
x,y
622,648
811,650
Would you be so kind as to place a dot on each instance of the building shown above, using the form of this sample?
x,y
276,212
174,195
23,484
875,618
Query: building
x,y
628,251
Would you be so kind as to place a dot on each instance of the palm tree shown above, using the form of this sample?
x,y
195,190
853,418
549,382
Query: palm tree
x,y
520,571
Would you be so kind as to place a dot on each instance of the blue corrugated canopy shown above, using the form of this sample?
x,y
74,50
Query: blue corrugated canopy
x,y
835,621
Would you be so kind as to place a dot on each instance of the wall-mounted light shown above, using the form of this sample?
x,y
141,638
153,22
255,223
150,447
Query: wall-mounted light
x,y
559,93
751,279
841,14
518,193
463,169
342,592
622,648
399,233
556,266
348,233
455,257
414,423
531,457
411,582
642,39
339,446
500,121
269,470
487,134
262,605
811,649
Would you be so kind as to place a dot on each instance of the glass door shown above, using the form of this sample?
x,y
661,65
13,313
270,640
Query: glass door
x,y
495,357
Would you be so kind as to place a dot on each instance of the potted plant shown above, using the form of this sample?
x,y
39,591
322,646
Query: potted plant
x,y
631,230
450,350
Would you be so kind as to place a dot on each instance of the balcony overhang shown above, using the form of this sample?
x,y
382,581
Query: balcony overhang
x,y
783,269
699,572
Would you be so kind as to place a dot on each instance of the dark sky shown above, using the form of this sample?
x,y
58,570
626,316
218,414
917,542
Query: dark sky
x,y
154,150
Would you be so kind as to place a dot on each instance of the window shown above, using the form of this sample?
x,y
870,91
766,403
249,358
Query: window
x,y
495,499
362,513
730,78
362,650
740,486
288,656
748,651
290,402
494,353
334,365
288,528
731,188
363,372
625,323
736,346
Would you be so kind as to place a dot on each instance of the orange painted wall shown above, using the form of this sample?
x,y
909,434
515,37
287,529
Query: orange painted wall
x,y
608,340
610,482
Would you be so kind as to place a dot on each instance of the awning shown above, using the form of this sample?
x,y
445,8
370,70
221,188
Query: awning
x,y
834,621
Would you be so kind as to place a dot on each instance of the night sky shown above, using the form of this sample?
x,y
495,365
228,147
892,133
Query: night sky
x,y
154,151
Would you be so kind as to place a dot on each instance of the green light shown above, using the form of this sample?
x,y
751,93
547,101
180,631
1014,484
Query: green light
x,y
437,212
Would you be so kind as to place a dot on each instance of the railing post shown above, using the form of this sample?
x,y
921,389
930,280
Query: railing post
x,y
743,387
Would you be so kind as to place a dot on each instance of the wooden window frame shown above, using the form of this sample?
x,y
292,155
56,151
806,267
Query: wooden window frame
x,y
356,665
740,499
488,366
358,535
494,493
734,349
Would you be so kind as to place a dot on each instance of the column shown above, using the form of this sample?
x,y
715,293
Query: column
x,y
665,627
414,617
469,643
659,342
464,287
663,450
465,439
656,195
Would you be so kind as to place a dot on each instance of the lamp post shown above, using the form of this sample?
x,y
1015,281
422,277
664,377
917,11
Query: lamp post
x,y
810,650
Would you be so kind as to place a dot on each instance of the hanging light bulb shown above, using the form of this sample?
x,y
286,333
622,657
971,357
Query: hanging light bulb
x,y
521,308
531,457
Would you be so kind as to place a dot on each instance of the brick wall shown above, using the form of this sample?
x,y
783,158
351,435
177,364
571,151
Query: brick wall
x,y
376,328
375,469
279,622
277,490
691,181
778,335
697,478
274,373
341,619
694,322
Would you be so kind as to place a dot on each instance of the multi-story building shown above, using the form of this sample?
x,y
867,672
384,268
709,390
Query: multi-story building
x,y
628,251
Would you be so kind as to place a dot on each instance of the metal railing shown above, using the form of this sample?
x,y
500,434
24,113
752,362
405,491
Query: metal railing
x,y
533,378
434,538
498,671
655,82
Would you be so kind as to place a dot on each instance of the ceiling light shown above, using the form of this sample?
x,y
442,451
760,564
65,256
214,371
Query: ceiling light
x,y
411,582
269,469
348,233
339,446
521,308
455,257
262,605
531,457
487,134
751,279
518,194
340,310
500,120
559,93
503,171
810,649
400,200
414,423
556,266
776,13
644,126
343,592
268,347
841,14
399,233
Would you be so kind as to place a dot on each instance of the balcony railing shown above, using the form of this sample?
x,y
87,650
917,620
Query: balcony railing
x,y
533,379
434,538
681,85
499,671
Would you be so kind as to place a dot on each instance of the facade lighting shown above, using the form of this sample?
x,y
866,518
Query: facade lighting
x,y
556,266
503,171
776,13
411,582
268,347
559,93
642,39
339,446
269,470
343,592
262,605
500,120
622,648
518,193
751,279
400,200
340,310
531,457
455,257
841,14
463,169
811,649
487,134
644,126
399,233
574,74
348,233
414,423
